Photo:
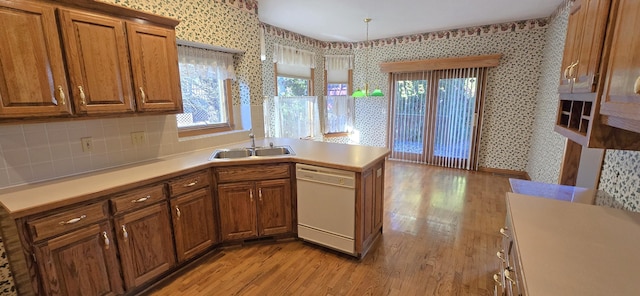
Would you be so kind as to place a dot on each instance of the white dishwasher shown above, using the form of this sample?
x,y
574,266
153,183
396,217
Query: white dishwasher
x,y
326,207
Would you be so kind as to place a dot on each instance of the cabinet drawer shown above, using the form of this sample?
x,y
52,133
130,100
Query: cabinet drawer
x,y
68,220
138,198
188,183
252,172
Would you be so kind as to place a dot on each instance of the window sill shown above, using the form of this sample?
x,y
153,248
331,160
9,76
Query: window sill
x,y
186,133
336,135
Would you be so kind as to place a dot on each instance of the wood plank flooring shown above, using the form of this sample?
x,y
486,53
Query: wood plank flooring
x,y
440,237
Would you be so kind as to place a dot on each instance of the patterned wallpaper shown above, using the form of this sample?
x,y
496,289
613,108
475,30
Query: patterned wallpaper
x,y
620,179
547,146
508,118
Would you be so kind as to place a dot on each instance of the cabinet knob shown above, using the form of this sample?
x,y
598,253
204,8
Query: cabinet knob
x,y
63,98
636,86
178,213
500,255
251,195
125,234
143,95
83,97
106,240
260,194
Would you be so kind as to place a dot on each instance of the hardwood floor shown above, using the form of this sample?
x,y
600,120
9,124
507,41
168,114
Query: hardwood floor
x,y
440,237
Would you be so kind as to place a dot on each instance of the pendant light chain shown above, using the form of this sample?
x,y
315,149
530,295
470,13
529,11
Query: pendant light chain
x,y
376,92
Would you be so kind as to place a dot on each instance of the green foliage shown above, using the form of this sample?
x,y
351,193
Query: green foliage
x,y
292,87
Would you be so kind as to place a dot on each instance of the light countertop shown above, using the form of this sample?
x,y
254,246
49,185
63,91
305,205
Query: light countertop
x,y
24,200
553,191
575,249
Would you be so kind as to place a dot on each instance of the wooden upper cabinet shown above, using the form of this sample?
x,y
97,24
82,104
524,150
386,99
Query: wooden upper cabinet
x,y
97,62
82,262
621,98
32,74
154,61
583,47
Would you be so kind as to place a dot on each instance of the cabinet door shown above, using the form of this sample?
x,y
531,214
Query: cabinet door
x,y
154,62
32,74
82,262
622,85
274,206
237,211
368,199
594,22
98,62
571,45
145,243
378,200
193,223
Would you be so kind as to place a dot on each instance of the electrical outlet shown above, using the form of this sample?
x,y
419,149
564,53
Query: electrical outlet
x,y
137,138
87,144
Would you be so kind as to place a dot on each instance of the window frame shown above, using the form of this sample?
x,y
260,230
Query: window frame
x,y
324,104
213,128
310,79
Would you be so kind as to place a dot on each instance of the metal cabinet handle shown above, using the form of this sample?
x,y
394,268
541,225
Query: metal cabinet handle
x,y
572,68
507,275
194,183
503,231
566,72
142,199
125,234
106,240
83,97
72,221
636,86
251,195
500,255
143,95
63,98
260,194
178,213
496,278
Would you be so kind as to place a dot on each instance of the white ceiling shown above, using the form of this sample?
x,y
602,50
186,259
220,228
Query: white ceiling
x,y
342,20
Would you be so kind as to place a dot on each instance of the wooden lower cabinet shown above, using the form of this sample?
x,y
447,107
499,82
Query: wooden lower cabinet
x,y
145,242
82,262
253,209
371,203
274,206
238,219
194,223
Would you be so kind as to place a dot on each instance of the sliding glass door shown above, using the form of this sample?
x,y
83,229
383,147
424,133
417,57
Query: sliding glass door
x,y
434,117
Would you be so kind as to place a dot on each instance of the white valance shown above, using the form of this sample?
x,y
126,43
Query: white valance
x,y
338,62
287,55
206,60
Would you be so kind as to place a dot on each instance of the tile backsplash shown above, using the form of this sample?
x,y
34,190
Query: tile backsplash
x,y
42,151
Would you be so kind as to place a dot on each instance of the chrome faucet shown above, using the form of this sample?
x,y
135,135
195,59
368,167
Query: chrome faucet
x,y
253,140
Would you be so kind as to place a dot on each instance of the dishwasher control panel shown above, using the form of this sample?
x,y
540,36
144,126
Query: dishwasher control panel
x,y
325,175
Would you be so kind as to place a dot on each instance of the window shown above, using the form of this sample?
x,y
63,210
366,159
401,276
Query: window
x,y
294,71
292,87
338,104
338,115
338,74
205,78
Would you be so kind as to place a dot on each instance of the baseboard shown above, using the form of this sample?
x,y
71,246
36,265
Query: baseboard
x,y
511,173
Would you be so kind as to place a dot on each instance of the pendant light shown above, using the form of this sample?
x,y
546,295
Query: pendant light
x,y
359,93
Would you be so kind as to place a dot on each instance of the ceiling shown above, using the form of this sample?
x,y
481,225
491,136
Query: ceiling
x,y
342,20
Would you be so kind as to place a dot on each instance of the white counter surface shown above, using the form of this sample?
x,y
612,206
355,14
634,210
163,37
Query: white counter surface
x,y
575,249
553,191
23,200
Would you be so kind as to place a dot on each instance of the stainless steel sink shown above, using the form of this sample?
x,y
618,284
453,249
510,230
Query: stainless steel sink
x,y
230,153
247,152
274,151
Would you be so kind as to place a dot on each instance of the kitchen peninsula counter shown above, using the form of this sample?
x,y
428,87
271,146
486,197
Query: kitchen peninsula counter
x,y
27,199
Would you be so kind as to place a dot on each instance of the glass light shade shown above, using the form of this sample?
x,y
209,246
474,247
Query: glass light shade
x,y
377,93
358,94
